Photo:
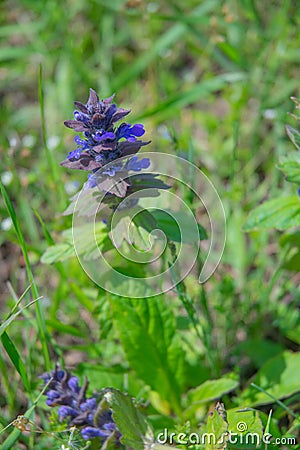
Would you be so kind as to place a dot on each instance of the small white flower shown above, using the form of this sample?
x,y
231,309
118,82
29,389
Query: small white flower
x,y
6,224
28,140
270,114
6,177
53,142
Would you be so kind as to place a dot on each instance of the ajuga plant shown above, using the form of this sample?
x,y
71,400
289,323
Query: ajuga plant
x,y
103,142
107,420
91,414
108,153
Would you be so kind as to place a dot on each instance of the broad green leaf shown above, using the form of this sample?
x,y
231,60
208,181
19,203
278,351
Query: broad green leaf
x,y
132,424
176,226
208,391
294,136
279,377
148,336
281,213
211,389
290,166
89,241
245,428
59,252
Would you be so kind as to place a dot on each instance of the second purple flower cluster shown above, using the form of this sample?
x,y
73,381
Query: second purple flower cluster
x,y
89,413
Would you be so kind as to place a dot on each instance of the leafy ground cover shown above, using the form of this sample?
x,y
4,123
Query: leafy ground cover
x,y
211,81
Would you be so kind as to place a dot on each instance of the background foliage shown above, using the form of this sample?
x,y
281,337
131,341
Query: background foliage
x,y
211,81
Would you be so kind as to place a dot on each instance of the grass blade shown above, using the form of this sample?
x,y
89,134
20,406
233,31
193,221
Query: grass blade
x,y
39,313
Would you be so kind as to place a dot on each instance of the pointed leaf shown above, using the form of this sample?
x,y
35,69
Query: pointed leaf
x,y
211,389
75,125
81,107
279,377
216,429
281,213
129,148
15,358
59,252
152,346
119,114
132,424
93,98
84,162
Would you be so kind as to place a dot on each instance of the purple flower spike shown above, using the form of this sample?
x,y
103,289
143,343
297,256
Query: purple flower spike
x,y
64,391
102,142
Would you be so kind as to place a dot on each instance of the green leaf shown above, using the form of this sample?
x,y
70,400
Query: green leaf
x,y
63,327
148,335
211,389
216,429
89,240
294,136
59,252
15,359
133,426
290,166
281,213
245,427
176,226
279,377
